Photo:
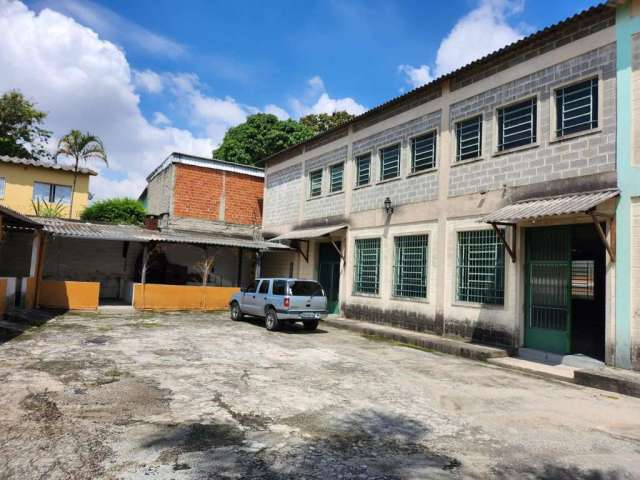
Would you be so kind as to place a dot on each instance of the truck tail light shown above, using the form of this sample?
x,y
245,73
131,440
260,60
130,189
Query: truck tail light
x,y
286,302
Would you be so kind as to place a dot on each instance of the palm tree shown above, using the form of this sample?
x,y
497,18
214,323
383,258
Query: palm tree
x,y
80,146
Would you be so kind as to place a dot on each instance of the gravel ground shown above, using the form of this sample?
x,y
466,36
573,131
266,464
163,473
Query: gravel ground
x,y
197,396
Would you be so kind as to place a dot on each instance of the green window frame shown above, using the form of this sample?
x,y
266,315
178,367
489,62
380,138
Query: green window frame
x,y
423,152
390,162
410,266
363,169
469,139
577,107
336,177
517,124
366,278
315,183
480,267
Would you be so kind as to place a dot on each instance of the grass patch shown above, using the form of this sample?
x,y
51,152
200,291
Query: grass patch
x,y
381,339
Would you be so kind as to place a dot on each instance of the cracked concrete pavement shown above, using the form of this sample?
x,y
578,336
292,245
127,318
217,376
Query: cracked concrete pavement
x,y
197,396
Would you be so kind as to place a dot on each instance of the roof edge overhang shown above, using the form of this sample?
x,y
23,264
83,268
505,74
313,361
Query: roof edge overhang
x,y
309,233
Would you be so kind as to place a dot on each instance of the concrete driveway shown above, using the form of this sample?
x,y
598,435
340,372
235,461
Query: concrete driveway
x,y
198,396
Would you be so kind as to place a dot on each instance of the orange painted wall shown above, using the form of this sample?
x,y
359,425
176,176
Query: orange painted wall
x,y
3,296
152,296
69,295
30,295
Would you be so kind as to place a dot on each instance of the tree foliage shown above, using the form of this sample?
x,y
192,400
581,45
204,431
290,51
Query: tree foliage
x,y
322,122
21,133
115,210
264,134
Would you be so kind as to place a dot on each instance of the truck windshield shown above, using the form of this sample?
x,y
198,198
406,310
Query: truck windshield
x,y
305,289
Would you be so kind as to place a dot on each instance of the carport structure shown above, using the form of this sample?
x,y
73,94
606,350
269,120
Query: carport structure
x,y
86,264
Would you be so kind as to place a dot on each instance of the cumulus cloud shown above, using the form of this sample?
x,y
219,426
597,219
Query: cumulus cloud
x,y
317,100
148,81
416,76
160,119
86,82
480,32
281,113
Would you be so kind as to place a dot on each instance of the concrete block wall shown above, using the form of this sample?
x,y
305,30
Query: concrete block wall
x,y
549,160
327,204
159,192
282,195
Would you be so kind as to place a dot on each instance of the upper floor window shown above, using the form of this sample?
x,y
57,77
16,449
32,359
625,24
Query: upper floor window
x,y
410,266
577,107
517,124
366,277
3,183
49,192
480,267
390,162
315,183
423,152
469,139
336,175
363,169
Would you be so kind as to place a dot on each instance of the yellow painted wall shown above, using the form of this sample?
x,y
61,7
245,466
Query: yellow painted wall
x,y
3,296
69,295
181,297
19,186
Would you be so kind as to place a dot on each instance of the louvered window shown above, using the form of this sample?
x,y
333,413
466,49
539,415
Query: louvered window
x,y
517,125
423,152
410,266
390,162
480,267
469,139
363,169
336,175
367,266
315,183
577,107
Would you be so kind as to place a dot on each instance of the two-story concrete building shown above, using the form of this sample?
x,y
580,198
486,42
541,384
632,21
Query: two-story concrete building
x,y
480,205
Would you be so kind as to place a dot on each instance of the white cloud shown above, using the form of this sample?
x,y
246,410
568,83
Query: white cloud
x,y
160,119
281,113
148,81
480,32
416,76
85,82
317,100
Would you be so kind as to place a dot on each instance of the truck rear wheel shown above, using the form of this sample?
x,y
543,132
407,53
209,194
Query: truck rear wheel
x,y
310,326
271,320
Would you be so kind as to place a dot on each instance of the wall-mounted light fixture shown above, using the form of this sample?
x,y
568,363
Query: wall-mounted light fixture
x,y
387,206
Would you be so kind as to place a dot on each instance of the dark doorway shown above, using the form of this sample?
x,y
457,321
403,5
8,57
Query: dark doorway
x,y
329,274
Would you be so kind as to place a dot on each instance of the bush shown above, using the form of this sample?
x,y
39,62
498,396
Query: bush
x,y
115,210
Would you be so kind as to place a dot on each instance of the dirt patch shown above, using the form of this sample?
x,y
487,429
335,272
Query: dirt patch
x,y
249,420
40,407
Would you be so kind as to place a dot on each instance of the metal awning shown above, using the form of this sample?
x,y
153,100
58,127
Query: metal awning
x,y
569,204
308,233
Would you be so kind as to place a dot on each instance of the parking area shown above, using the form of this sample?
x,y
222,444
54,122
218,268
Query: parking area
x,y
197,396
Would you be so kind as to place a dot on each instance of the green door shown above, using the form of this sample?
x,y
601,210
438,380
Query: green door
x,y
329,274
548,289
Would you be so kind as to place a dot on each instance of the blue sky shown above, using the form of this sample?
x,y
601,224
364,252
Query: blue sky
x,y
150,77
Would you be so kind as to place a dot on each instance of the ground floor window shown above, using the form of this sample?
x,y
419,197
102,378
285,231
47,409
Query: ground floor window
x,y
480,267
410,266
367,266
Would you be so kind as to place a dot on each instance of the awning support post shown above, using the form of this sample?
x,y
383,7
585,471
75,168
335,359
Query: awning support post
x,y
603,238
511,249
299,250
337,249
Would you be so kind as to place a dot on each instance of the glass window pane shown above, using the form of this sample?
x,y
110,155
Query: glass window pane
x,y
367,266
577,107
252,287
480,267
410,266
423,152
3,183
469,139
363,169
305,288
41,191
517,125
336,174
264,286
61,194
315,183
390,162
279,287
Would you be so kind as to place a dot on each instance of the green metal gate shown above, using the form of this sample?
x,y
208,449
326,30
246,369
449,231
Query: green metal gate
x,y
548,289
329,274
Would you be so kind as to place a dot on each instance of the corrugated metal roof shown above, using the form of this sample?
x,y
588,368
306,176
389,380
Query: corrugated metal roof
x,y
308,233
37,163
16,218
550,206
213,163
132,233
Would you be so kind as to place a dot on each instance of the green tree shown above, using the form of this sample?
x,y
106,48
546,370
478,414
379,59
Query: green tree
x,y
323,121
21,134
80,147
261,135
115,210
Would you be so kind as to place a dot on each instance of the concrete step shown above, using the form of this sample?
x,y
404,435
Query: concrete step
x,y
561,372
611,379
423,340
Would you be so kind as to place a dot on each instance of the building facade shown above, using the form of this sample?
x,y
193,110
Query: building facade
x,y
25,182
481,205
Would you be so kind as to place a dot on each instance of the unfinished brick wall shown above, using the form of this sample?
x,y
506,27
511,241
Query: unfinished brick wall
x,y
217,195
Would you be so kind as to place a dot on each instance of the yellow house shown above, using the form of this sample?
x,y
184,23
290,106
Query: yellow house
x,y
24,181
